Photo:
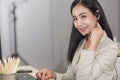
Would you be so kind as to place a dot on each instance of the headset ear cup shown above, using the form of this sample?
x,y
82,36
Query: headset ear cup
x,y
97,14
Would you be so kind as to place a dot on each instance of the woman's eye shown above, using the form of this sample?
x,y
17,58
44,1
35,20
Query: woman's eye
x,y
74,19
83,16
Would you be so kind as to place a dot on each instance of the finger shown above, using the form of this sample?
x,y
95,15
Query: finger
x,y
44,74
38,75
99,26
48,76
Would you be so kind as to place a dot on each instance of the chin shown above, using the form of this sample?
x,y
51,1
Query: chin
x,y
84,33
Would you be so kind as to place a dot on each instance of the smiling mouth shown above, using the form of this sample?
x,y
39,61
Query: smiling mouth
x,y
83,29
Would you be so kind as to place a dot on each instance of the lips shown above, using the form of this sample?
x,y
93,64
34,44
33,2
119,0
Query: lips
x,y
83,29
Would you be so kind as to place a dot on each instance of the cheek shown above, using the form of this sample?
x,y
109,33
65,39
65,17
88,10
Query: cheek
x,y
92,23
75,25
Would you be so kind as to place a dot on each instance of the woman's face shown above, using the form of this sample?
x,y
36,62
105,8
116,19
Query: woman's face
x,y
83,19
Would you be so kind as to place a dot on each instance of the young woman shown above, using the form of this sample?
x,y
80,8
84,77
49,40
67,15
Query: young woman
x,y
92,52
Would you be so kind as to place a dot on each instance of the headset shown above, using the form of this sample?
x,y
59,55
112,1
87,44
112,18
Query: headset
x,y
97,14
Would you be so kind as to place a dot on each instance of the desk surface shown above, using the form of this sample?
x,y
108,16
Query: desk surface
x,y
34,71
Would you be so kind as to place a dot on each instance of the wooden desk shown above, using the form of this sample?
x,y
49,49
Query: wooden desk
x,y
34,71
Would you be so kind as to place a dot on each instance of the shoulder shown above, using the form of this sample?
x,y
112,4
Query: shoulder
x,y
107,46
106,42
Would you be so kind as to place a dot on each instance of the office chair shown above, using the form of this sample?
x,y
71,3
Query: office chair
x,y
117,69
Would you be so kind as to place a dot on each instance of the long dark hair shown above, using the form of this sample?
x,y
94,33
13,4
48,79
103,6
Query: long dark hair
x,y
76,36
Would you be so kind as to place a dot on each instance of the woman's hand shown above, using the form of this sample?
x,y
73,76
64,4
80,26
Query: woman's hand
x,y
46,74
95,37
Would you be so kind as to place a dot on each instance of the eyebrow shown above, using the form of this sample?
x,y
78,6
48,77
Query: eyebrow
x,y
81,14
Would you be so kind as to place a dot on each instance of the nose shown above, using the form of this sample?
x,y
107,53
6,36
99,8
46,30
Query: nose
x,y
79,23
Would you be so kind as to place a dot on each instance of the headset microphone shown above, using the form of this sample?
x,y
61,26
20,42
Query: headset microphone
x,y
86,36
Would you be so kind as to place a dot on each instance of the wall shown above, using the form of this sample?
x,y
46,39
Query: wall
x,y
43,31
40,30
0,32
34,33
5,29
61,26
111,9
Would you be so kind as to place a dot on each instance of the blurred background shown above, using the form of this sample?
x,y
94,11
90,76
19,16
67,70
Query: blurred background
x,y
43,30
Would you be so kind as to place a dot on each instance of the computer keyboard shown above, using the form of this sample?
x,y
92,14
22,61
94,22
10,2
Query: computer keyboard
x,y
24,77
